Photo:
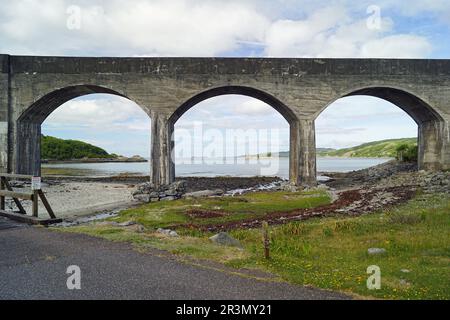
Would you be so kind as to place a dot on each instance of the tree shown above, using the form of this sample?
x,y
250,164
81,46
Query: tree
x,y
407,153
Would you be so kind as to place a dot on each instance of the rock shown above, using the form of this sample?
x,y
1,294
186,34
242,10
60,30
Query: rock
x,y
173,234
225,239
142,198
204,193
178,185
373,251
107,223
144,188
405,271
126,223
168,232
323,187
290,189
136,228
169,198
404,283
146,192
154,194
171,193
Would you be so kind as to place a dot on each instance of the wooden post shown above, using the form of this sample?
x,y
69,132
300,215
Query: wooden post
x,y
46,204
35,203
35,187
16,200
266,239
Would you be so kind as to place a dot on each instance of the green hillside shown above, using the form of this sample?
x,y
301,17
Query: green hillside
x,y
376,149
59,149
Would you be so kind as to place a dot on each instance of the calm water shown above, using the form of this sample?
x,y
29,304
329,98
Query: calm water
x,y
262,168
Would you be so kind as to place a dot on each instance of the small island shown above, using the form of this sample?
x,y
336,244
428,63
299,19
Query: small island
x,y
56,150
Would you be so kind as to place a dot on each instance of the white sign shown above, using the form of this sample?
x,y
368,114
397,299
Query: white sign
x,y
36,183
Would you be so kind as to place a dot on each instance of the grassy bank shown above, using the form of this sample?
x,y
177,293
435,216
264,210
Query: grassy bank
x,y
376,149
327,253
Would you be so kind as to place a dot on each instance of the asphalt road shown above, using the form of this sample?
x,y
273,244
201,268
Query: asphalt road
x,y
34,261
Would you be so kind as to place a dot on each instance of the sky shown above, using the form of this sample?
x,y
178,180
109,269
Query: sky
x,y
256,28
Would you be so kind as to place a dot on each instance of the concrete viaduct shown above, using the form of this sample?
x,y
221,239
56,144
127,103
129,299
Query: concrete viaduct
x,y
32,87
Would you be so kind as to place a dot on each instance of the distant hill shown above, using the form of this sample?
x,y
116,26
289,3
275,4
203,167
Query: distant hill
x,y
375,149
59,149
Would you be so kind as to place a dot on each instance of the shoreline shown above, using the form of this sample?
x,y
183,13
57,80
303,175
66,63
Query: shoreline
x,y
72,196
130,160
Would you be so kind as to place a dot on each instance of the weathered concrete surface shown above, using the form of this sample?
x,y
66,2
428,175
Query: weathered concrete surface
x,y
162,164
300,89
4,112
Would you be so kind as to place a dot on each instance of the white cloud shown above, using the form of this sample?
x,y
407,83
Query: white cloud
x,y
354,120
397,46
331,32
105,113
253,107
176,27
210,28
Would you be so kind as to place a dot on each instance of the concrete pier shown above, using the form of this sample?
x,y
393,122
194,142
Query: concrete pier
x,y
162,164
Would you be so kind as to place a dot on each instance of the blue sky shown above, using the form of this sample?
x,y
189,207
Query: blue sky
x,y
283,28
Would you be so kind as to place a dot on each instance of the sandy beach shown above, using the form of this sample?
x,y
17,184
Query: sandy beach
x,y
72,199
80,196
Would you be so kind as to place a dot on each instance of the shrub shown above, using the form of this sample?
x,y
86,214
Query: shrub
x,y
407,153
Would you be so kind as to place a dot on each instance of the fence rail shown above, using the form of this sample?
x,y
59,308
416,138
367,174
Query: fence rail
x,y
33,195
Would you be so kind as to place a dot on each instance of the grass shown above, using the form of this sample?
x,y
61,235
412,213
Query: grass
x,y
166,214
47,171
332,253
328,253
383,148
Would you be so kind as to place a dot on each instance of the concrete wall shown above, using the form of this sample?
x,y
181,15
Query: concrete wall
x,y
4,112
300,89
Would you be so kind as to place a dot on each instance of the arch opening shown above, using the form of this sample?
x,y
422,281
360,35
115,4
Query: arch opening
x,y
83,113
242,131
392,114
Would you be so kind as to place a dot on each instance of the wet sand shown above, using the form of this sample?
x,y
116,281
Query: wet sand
x,y
71,199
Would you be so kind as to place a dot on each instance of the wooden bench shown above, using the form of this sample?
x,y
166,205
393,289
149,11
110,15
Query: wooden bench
x,y
33,195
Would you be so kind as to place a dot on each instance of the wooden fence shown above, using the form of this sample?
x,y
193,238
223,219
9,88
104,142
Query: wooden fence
x,y
32,195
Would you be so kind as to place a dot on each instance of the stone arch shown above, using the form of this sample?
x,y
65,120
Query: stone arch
x,y
162,130
28,124
414,105
430,123
263,96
